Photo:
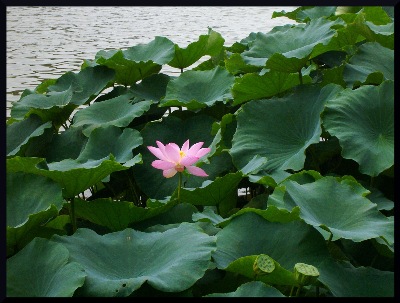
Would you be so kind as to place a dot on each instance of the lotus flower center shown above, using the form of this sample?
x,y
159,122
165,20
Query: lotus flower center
x,y
182,154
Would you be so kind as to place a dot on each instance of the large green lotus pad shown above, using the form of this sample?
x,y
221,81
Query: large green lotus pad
x,y
119,263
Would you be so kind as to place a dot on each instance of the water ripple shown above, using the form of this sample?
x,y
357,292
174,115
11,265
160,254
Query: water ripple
x,y
44,42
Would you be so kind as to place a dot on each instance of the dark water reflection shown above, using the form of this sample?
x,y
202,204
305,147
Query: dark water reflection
x,y
45,42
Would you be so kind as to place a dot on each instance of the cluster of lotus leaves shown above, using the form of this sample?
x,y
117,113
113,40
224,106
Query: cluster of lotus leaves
x,y
261,105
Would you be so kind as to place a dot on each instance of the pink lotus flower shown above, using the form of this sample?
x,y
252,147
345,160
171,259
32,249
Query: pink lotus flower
x,y
172,159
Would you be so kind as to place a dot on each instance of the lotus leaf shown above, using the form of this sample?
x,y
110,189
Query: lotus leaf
x,y
50,275
359,281
21,133
197,89
371,57
288,48
364,118
116,215
251,289
280,129
322,203
287,243
119,263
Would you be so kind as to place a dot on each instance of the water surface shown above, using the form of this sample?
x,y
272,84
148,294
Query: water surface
x,y
44,42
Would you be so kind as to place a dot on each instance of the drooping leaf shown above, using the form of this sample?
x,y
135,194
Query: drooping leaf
x,y
20,133
208,214
100,157
107,140
19,237
179,213
376,14
271,213
254,86
160,51
31,201
197,89
377,197
382,246
371,57
42,88
373,24
66,145
287,243
268,178
127,72
215,43
29,194
54,107
119,263
222,192
151,88
333,75
139,61
75,177
87,84
116,215
383,34
345,280
235,64
117,111
360,118
112,92
59,222
223,132
210,44
306,13
287,49
50,275
251,289
348,11
185,57
280,129
322,203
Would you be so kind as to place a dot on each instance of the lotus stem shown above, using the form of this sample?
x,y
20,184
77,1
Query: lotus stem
x,y
330,238
133,190
72,215
291,291
179,187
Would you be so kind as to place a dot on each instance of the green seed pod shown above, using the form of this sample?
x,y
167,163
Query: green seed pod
x,y
305,274
263,265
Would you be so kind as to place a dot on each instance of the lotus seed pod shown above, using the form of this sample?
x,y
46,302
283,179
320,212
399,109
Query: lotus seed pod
x,y
263,265
305,274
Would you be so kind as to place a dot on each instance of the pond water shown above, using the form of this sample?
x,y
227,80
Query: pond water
x,y
44,42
